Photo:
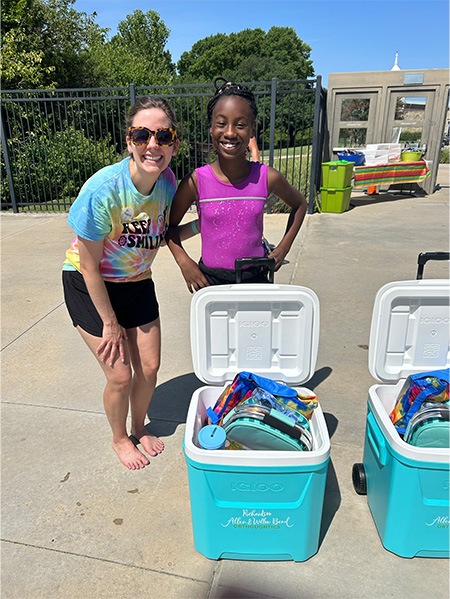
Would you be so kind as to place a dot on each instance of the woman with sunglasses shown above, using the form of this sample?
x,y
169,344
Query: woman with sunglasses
x,y
231,195
120,218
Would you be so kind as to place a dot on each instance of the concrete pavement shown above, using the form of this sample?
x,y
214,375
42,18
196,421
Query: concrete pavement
x,y
76,524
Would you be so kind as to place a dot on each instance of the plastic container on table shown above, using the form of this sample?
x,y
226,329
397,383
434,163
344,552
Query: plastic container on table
x,y
409,156
407,486
247,504
357,157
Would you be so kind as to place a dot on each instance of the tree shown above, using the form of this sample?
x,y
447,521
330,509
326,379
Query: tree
x,y
21,65
136,53
45,43
251,54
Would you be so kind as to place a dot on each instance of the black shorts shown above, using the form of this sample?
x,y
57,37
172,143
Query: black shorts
x,y
134,303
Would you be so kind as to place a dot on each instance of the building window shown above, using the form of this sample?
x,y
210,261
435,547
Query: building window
x,y
354,137
355,109
409,118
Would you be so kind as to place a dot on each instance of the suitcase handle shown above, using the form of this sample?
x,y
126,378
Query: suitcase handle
x,y
269,263
423,258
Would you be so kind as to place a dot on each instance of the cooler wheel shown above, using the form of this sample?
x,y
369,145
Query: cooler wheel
x,y
359,479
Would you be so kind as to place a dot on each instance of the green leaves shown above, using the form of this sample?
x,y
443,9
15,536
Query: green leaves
x,y
45,44
136,53
249,55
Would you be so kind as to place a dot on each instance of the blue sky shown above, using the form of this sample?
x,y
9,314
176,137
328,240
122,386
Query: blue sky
x,y
345,35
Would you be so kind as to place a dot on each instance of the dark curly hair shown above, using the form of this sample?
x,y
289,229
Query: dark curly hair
x,y
228,88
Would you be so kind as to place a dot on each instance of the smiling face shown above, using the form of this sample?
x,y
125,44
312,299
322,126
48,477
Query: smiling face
x,y
150,160
232,126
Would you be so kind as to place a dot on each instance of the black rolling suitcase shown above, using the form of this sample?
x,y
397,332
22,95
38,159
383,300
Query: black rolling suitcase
x,y
265,264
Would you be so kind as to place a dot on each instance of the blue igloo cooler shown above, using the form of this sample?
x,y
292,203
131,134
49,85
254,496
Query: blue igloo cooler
x,y
407,487
255,505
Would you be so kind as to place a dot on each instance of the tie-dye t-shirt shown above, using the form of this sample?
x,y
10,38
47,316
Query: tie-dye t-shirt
x,y
131,225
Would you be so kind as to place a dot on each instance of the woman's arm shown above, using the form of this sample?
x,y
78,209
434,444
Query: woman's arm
x,y
113,344
291,196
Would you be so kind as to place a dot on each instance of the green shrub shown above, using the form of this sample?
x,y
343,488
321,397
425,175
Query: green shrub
x,y
48,168
444,156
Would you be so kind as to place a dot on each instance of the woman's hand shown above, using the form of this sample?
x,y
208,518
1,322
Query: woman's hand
x,y
113,344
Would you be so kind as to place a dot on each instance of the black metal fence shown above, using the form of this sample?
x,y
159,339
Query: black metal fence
x,y
53,140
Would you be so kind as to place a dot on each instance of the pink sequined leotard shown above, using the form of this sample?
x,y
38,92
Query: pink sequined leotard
x,y
231,216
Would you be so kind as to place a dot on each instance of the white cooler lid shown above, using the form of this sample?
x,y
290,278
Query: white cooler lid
x,y
410,328
268,329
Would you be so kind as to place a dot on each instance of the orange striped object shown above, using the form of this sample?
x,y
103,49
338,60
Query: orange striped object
x,y
395,172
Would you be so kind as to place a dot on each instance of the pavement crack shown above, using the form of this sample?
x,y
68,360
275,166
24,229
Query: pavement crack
x,y
104,560
32,326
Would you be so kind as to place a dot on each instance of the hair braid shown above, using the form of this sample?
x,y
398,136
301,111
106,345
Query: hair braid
x,y
228,88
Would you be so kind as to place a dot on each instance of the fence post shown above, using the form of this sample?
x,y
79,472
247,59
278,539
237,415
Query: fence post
x,y
4,142
316,153
132,94
273,106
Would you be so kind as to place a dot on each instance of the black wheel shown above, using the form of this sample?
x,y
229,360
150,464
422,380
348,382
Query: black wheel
x,y
359,479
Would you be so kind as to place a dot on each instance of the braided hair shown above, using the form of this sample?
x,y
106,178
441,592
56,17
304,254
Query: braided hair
x,y
228,88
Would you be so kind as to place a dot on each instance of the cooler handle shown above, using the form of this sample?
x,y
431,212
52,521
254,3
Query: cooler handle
x,y
423,258
378,445
269,263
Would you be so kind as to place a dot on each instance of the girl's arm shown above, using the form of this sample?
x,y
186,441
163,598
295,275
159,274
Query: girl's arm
x,y
184,197
113,343
186,230
291,196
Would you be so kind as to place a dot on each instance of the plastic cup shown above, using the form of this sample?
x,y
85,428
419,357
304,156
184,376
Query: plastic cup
x,y
212,436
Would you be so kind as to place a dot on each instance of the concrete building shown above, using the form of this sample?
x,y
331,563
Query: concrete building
x,y
396,106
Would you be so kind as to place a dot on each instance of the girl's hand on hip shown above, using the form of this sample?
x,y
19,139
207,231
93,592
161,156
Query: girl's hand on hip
x,y
278,254
193,276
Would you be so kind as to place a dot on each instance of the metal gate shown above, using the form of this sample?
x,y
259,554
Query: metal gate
x,y
53,140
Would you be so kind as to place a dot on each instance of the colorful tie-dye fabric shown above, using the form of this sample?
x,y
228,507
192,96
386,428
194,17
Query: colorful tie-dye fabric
x,y
242,388
432,387
131,225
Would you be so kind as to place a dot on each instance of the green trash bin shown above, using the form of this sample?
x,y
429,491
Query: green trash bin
x,y
337,174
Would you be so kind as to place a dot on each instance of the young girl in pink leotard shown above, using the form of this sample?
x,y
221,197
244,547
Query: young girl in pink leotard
x,y
231,195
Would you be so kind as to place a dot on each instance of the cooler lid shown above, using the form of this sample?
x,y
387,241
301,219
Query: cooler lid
x,y
409,332
270,330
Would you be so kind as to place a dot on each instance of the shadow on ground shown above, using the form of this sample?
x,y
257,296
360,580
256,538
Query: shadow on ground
x,y
170,404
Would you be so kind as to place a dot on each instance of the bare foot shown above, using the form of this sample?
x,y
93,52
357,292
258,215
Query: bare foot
x,y
152,445
129,454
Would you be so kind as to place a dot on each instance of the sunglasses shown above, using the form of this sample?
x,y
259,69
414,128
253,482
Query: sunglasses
x,y
140,136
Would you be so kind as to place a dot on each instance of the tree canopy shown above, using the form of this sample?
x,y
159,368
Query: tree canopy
x,y
249,55
47,43
136,53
